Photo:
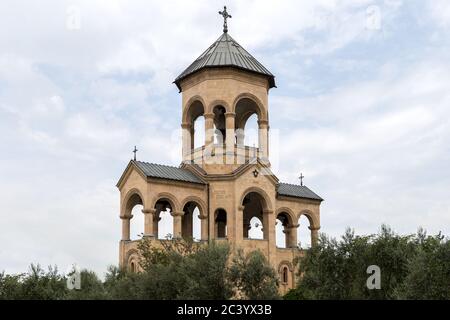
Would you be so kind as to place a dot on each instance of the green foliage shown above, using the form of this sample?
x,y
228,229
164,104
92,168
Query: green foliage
x,y
414,267
182,269
41,285
10,286
429,271
253,276
91,288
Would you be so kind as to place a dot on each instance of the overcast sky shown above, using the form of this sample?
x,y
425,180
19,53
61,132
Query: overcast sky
x,y
362,108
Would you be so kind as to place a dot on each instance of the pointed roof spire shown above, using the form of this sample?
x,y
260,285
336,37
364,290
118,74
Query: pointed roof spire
x,y
226,52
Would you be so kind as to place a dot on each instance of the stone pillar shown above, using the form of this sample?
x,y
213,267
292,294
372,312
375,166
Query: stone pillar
x,y
263,137
126,228
230,136
314,235
203,227
291,236
239,223
187,223
177,224
209,128
149,219
269,234
186,141
156,220
209,138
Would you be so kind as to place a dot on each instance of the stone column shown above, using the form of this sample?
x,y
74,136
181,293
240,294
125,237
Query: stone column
x,y
204,227
186,141
177,224
209,137
269,234
126,228
156,220
291,236
209,128
230,136
239,224
263,137
314,235
148,218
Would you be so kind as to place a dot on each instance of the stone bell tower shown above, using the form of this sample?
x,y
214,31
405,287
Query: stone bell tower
x,y
226,85
222,184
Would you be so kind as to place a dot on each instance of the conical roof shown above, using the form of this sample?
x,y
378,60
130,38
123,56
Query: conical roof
x,y
226,52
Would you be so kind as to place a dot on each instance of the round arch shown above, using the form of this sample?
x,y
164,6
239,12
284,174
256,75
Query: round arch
x,y
132,257
289,213
216,103
132,198
199,202
170,198
311,218
260,110
283,264
194,108
267,203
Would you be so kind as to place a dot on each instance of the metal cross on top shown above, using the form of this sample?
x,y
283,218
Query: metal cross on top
x,y
225,16
135,151
301,178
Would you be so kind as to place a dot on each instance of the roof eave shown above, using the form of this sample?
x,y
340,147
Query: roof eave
x,y
270,78
298,197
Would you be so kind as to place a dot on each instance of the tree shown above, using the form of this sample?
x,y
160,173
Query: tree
x,y
412,266
182,269
253,276
41,285
91,288
428,271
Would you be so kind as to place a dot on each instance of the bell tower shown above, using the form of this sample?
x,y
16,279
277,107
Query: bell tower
x,y
224,184
226,85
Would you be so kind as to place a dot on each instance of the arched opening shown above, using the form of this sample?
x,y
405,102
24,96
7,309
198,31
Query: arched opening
x,y
134,220
303,232
219,125
132,267
282,230
246,123
285,275
220,223
190,222
137,223
254,205
195,118
163,220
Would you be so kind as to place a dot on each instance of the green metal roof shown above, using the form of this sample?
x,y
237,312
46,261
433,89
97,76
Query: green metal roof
x,y
226,52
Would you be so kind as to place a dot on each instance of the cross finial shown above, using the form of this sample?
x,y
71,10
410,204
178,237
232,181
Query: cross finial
x,y
301,178
135,151
225,16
